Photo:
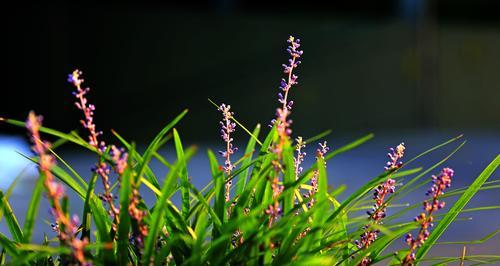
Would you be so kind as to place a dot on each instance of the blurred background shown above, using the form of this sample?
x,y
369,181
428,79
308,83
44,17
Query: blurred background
x,y
410,70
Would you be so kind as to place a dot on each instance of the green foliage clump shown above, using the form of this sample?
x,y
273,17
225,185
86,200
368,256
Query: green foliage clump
x,y
257,210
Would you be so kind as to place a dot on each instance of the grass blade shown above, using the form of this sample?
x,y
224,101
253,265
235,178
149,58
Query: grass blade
x,y
32,212
10,218
124,226
242,177
183,176
153,146
157,217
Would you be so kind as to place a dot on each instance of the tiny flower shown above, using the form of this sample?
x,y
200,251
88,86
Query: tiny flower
x,y
55,191
320,154
227,127
300,156
425,219
378,211
283,123
119,158
394,156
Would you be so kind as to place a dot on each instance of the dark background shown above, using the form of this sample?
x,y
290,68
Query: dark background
x,y
368,66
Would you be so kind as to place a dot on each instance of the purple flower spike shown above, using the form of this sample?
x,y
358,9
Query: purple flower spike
x,y
439,184
227,127
87,109
283,111
378,211
55,192
320,154
300,156
394,156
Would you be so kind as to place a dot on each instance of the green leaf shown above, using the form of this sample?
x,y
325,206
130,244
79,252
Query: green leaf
x,y
157,218
288,178
101,220
471,242
457,208
219,200
66,178
242,177
183,176
8,245
217,223
51,132
124,226
32,212
73,172
10,218
200,230
348,146
154,145
319,136
86,216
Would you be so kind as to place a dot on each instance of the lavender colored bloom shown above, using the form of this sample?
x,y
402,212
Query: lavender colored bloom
x,y
394,156
425,219
227,127
119,158
55,192
378,211
320,154
282,113
300,157
88,110
283,123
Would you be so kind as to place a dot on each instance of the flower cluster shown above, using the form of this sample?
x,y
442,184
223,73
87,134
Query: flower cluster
x,y
440,183
300,156
119,158
378,211
394,156
138,215
227,127
55,192
283,123
320,154
87,109
282,113
118,163
102,168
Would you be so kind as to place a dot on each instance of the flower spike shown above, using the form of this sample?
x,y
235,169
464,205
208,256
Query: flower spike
x,y
55,192
378,211
439,184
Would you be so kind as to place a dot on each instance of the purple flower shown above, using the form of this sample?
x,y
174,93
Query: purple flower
x,y
394,156
282,113
227,127
55,192
87,109
119,158
378,211
283,123
440,183
300,156
320,154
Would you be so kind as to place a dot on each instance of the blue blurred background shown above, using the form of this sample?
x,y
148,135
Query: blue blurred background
x,y
415,71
